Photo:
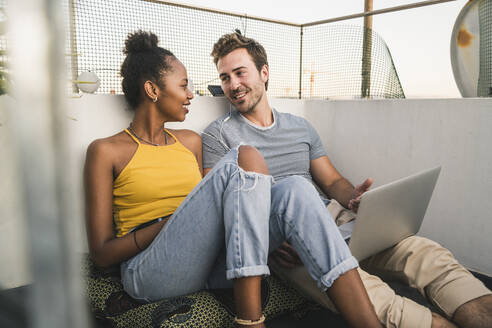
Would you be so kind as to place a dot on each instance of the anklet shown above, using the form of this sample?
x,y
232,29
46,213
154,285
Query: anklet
x,y
249,322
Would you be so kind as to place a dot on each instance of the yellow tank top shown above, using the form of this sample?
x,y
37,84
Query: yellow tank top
x,y
153,184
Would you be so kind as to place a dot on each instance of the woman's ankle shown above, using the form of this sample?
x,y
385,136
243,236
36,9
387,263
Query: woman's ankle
x,y
249,323
247,296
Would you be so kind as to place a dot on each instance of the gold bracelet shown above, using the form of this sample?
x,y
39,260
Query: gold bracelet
x,y
135,240
249,322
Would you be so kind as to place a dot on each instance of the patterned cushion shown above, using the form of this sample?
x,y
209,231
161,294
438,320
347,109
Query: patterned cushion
x,y
112,306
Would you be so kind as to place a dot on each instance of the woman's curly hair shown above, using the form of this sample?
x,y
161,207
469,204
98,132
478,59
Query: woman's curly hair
x,y
144,61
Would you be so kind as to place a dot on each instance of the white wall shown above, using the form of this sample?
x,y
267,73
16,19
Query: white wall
x,y
384,139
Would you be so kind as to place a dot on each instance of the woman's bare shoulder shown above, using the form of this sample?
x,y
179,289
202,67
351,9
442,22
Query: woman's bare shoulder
x,y
186,136
190,139
184,133
109,145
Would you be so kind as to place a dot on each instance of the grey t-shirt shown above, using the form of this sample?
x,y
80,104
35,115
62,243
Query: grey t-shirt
x,y
288,145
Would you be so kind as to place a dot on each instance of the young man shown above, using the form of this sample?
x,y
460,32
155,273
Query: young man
x,y
291,146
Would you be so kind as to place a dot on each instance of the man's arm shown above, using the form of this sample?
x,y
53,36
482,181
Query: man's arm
x,y
214,148
327,177
335,186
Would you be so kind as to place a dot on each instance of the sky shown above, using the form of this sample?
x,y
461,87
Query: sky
x,y
418,39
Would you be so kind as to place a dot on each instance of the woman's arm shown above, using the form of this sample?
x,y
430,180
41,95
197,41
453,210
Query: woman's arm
x,y
104,247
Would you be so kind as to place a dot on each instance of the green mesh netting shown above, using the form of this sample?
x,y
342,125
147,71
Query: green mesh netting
x,y
323,61
331,65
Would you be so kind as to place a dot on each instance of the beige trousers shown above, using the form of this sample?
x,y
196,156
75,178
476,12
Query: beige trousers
x,y
415,261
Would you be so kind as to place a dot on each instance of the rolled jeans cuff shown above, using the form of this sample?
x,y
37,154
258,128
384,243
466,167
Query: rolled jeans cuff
x,y
250,271
327,279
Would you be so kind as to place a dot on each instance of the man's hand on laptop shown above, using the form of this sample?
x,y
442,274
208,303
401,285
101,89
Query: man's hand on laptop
x,y
286,256
354,201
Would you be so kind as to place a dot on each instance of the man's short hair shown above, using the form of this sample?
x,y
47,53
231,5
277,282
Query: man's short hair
x,y
232,41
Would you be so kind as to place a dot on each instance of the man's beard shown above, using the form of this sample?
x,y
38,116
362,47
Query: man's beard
x,y
250,109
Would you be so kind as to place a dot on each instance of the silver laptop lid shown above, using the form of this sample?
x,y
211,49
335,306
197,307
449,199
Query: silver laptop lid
x,y
392,212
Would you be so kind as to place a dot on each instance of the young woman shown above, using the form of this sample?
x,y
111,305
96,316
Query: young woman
x,y
174,233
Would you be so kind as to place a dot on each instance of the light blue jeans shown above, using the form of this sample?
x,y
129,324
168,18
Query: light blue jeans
x,y
225,229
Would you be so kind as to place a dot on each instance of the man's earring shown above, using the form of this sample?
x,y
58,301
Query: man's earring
x,y
155,99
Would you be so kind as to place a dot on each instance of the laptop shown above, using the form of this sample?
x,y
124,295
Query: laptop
x,y
390,213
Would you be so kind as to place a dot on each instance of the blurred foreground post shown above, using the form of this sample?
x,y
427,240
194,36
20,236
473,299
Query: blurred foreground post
x,y
38,129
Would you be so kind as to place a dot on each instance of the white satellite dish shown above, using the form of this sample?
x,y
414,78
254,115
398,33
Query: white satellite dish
x,y
471,73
